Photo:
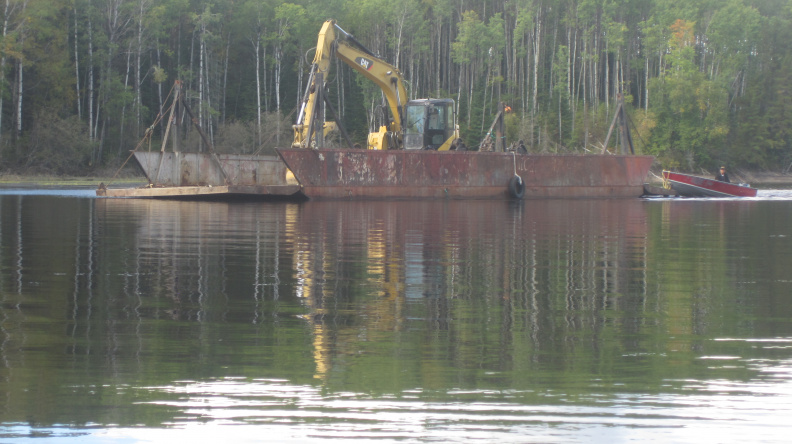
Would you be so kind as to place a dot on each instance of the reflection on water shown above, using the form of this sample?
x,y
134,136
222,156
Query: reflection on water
x,y
549,321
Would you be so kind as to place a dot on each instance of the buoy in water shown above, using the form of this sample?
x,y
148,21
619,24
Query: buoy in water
x,y
516,187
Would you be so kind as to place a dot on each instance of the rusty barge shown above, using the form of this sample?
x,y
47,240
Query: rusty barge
x,y
355,174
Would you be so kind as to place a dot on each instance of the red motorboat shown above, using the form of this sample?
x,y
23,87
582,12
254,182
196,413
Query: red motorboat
x,y
694,186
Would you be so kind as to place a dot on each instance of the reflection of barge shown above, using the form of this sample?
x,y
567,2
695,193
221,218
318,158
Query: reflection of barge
x,y
694,186
334,174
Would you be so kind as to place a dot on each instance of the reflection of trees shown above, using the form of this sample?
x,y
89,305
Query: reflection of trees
x,y
102,294
394,295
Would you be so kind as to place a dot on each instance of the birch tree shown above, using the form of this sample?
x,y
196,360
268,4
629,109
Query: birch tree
x,y
10,11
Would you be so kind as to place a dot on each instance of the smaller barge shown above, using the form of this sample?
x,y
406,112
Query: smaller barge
x,y
196,175
190,175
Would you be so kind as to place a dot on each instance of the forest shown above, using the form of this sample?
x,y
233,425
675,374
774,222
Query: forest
x,y
704,82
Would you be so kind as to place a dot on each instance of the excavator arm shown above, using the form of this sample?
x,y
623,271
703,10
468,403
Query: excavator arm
x,y
335,42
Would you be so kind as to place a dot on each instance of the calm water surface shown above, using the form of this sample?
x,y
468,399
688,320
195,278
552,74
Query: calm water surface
x,y
541,321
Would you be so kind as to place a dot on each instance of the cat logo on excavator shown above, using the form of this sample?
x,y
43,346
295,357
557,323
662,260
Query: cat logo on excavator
x,y
364,62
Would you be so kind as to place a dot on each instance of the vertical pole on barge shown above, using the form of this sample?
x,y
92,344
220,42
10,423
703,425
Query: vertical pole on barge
x,y
207,142
500,129
176,94
626,137
624,130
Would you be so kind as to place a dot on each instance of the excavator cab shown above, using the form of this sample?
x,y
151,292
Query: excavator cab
x,y
429,124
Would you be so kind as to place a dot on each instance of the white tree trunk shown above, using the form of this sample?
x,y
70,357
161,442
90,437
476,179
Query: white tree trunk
x,y
470,94
607,84
257,49
537,47
484,100
585,97
138,100
91,129
209,123
3,63
595,73
225,79
208,96
76,65
278,64
19,99
201,81
21,90
646,85
123,108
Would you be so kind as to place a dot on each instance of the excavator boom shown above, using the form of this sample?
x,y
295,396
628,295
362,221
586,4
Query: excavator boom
x,y
417,124
335,42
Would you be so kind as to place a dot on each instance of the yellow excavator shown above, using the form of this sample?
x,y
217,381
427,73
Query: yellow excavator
x,y
428,124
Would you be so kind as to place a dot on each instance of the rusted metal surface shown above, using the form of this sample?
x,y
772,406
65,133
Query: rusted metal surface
x,y
339,174
199,169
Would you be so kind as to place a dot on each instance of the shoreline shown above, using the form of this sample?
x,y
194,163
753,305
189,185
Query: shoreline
x,y
9,179
762,179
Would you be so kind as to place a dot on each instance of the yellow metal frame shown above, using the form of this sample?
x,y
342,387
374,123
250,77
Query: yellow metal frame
x,y
334,41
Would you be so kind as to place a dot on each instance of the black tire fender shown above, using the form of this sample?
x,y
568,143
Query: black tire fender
x,y
516,187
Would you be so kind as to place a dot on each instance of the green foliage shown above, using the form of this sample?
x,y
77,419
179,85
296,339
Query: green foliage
x,y
763,117
160,75
54,145
708,77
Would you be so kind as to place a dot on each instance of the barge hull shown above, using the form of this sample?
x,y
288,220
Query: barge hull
x,y
201,169
201,175
355,174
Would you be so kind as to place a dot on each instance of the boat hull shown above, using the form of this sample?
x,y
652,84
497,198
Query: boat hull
x,y
694,186
354,174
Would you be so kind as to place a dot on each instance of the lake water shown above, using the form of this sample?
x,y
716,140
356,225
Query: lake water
x,y
652,320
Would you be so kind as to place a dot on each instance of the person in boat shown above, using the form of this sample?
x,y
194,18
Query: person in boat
x,y
722,176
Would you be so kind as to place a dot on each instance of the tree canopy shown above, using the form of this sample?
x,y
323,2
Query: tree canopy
x,y
705,82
